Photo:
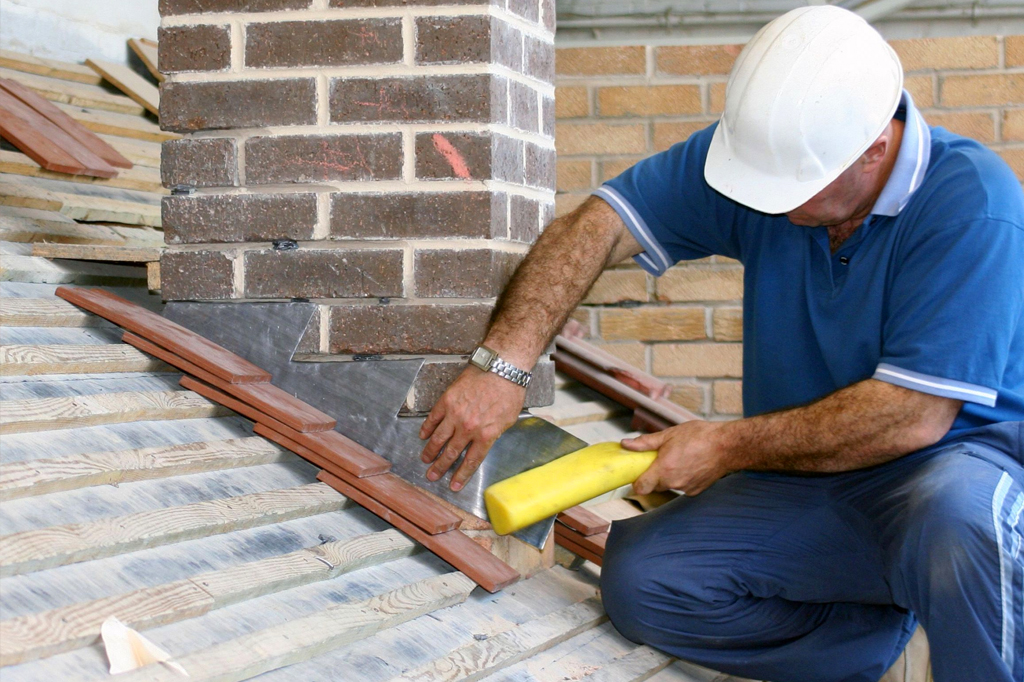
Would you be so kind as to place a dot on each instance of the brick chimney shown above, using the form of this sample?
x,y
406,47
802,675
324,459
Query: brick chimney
x,y
405,147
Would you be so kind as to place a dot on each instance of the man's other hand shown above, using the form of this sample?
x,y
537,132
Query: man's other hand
x,y
473,412
691,456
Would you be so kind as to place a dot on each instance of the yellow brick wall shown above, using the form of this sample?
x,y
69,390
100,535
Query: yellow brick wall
x,y
616,105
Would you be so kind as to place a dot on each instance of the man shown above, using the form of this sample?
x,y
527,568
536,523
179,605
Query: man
x,y
876,480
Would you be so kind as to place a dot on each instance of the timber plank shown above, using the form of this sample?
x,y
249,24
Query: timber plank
x,y
32,360
592,543
48,67
478,659
15,268
578,550
17,192
301,639
27,226
102,252
68,412
140,152
128,82
78,94
584,521
112,123
35,550
45,312
397,494
29,478
19,129
181,341
266,398
142,178
67,628
54,133
485,569
148,54
638,665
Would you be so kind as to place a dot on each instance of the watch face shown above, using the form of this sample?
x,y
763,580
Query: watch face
x,y
482,357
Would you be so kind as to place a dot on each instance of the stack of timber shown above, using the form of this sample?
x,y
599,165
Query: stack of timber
x,y
79,174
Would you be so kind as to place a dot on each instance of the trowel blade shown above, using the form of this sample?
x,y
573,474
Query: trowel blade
x,y
366,396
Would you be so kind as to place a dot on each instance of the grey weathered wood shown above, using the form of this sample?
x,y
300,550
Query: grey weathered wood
x,y
128,253
636,666
30,360
46,312
33,269
303,638
41,414
34,550
81,94
42,476
64,629
478,659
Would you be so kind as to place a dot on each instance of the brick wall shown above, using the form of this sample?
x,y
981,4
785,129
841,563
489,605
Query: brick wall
x,y
405,146
616,105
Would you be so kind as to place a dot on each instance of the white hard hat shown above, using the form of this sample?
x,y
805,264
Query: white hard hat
x,y
807,96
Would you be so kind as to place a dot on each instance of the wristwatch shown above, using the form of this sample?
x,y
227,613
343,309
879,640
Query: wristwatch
x,y
488,360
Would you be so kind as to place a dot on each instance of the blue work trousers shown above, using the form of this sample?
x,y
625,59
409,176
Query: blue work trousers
x,y
824,578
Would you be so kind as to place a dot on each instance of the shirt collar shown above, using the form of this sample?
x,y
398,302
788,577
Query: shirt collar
x,y
911,162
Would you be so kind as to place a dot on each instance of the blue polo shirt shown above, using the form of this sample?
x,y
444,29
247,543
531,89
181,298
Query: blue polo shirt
x,y
928,293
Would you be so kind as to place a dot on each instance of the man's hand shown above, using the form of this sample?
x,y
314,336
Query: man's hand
x,y
474,411
691,456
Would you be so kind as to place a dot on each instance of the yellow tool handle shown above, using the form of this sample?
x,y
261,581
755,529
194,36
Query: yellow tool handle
x,y
536,494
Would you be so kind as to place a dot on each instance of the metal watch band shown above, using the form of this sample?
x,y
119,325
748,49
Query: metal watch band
x,y
511,372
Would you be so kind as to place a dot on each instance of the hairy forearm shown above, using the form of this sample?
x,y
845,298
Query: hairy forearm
x,y
554,277
864,424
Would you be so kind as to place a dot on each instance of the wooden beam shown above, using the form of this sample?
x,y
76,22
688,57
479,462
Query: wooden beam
x,y
45,634
68,412
121,125
148,55
48,67
128,82
31,360
579,413
578,550
101,252
584,521
638,665
478,659
455,547
35,550
21,126
28,478
15,268
183,342
31,225
153,276
45,312
395,493
142,178
77,206
266,398
592,543
300,639
140,152
78,94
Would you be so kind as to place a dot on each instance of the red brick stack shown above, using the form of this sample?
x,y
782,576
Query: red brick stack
x,y
405,145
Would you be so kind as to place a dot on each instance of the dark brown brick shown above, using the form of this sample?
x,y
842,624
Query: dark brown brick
x,y
539,59
463,273
476,98
423,214
323,273
547,213
196,275
187,107
525,107
318,158
508,160
527,9
525,219
454,40
323,43
540,166
547,116
438,373
172,7
194,48
238,217
412,3
547,14
444,156
207,162
445,328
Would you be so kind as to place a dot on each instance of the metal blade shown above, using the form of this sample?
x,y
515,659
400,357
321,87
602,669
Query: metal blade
x,y
366,396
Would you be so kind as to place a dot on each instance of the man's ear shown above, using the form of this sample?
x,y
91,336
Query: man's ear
x,y
874,155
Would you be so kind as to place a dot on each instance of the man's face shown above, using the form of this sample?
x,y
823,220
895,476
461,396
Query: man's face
x,y
834,205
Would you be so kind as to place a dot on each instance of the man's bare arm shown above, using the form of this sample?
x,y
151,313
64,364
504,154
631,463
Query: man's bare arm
x,y
867,423
546,288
